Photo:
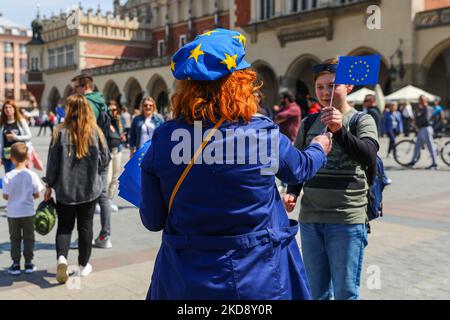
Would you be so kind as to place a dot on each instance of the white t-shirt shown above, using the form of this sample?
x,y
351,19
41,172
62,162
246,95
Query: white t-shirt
x,y
20,185
147,131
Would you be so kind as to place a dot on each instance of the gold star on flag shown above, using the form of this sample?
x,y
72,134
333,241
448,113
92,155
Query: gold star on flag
x,y
172,65
241,38
208,33
196,53
230,61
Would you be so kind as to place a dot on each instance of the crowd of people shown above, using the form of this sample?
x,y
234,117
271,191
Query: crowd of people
x,y
234,244
84,163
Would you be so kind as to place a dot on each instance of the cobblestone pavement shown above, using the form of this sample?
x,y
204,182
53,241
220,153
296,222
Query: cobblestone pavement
x,y
408,255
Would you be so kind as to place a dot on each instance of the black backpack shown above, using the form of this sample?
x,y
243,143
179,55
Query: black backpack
x,y
112,137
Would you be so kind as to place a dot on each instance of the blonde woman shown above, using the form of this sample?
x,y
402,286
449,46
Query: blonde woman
x,y
144,124
78,155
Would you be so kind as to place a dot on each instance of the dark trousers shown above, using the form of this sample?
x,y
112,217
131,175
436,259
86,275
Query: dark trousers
x,y
391,136
84,215
21,229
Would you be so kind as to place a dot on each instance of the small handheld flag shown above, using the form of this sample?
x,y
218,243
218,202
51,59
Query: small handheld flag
x,y
130,179
364,70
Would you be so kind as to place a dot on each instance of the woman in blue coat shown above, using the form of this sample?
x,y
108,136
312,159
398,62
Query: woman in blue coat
x,y
392,124
226,234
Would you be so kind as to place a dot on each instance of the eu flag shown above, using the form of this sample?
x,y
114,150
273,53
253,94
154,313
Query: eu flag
x,y
130,179
363,70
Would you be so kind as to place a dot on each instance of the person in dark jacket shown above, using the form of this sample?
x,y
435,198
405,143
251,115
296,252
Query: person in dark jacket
x,y
370,104
423,120
226,234
392,124
77,158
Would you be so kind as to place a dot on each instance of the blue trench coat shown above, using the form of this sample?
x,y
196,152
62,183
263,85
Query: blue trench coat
x,y
227,235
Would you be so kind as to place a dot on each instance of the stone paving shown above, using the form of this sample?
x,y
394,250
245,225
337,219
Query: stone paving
x,y
408,255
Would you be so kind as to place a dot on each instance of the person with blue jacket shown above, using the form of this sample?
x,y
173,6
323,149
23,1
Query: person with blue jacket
x,y
208,181
392,124
144,125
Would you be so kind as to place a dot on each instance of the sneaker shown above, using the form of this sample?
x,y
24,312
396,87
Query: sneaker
x,y
432,167
411,164
388,181
103,242
61,271
114,207
86,270
14,269
29,268
74,244
97,209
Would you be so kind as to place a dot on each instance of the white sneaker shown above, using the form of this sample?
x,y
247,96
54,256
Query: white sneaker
x,y
61,271
86,270
114,207
97,209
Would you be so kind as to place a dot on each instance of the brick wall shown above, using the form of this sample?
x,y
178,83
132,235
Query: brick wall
x,y
436,4
198,27
109,53
243,12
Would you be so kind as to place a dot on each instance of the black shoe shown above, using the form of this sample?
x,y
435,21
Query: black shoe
x,y
411,164
29,268
14,269
432,167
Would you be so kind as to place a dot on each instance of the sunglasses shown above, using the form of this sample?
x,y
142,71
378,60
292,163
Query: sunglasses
x,y
318,68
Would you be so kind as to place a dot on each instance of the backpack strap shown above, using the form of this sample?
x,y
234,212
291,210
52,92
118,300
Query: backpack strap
x,y
371,171
309,121
194,158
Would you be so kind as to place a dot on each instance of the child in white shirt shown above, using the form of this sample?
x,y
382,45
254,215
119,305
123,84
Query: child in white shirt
x,y
21,186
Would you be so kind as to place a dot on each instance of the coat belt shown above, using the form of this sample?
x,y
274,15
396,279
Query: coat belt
x,y
244,241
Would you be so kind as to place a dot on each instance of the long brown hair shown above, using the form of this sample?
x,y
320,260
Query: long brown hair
x,y
79,123
233,97
17,115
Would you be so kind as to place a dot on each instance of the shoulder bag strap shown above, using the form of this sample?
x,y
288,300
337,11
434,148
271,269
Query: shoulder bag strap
x,y
194,158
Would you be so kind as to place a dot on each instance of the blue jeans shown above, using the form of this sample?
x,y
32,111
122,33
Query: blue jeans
x,y
333,257
7,163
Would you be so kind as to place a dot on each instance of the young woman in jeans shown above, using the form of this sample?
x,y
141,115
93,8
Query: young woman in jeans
x,y
78,155
115,166
13,128
334,203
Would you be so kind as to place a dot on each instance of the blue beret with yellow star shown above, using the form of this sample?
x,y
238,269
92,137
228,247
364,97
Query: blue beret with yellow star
x,y
210,56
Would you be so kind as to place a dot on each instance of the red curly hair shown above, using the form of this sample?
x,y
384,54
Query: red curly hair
x,y
234,97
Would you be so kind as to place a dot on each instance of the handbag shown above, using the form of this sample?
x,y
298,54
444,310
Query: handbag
x,y
37,163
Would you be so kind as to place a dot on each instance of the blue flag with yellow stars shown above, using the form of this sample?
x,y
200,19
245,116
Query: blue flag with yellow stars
x,y
130,179
362,70
210,56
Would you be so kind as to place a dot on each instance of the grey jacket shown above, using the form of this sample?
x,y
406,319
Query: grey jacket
x,y
76,181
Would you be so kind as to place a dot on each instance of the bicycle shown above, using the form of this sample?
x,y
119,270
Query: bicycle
x,y
404,150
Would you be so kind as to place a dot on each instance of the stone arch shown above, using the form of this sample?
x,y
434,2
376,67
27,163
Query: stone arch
x,y
434,74
134,93
111,91
158,90
53,99
299,79
270,86
68,91
385,80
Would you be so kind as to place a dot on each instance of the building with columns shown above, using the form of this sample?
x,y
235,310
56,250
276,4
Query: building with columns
x,y
128,51
13,62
